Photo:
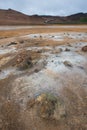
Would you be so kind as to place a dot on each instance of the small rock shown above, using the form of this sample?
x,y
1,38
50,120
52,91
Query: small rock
x,y
81,67
67,49
59,50
36,70
35,36
52,61
84,49
67,63
39,51
25,64
12,43
21,41
36,43
40,36
69,45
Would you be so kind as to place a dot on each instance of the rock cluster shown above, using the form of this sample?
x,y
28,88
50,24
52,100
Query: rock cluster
x,y
50,107
24,61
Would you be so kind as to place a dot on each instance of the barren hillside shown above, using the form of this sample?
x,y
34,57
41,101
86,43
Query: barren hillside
x,y
12,17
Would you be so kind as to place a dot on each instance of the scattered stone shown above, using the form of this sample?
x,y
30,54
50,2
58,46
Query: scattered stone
x,y
21,41
67,49
36,70
27,63
36,43
69,45
50,107
35,36
67,63
23,61
39,51
79,34
52,61
59,50
12,43
81,67
40,36
84,49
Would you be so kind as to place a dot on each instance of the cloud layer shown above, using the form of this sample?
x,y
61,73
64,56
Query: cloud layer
x,y
46,7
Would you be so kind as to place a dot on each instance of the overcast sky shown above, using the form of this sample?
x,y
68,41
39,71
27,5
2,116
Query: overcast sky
x,y
46,7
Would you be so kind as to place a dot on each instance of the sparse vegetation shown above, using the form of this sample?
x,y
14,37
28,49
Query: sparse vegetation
x,y
83,20
50,107
50,93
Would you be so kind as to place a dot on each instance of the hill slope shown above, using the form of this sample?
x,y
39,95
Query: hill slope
x,y
12,17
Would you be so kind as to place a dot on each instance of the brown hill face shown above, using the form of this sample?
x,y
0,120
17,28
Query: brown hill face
x,y
12,17
80,17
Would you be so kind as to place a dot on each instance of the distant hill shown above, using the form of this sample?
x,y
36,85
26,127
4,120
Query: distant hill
x,y
13,17
79,18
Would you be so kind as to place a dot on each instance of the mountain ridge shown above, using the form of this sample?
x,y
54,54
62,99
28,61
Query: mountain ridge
x,y
13,17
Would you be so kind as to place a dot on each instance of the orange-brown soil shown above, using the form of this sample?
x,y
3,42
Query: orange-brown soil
x,y
41,29
57,69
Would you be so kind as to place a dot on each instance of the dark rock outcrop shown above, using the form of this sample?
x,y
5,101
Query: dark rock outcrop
x,y
84,49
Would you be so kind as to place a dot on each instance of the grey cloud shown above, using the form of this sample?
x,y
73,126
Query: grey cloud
x,y
47,7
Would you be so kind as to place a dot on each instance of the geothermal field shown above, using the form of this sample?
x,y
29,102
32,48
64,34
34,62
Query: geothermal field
x,y
43,77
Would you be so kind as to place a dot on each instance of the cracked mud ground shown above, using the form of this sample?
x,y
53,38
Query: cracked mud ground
x,y
43,78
